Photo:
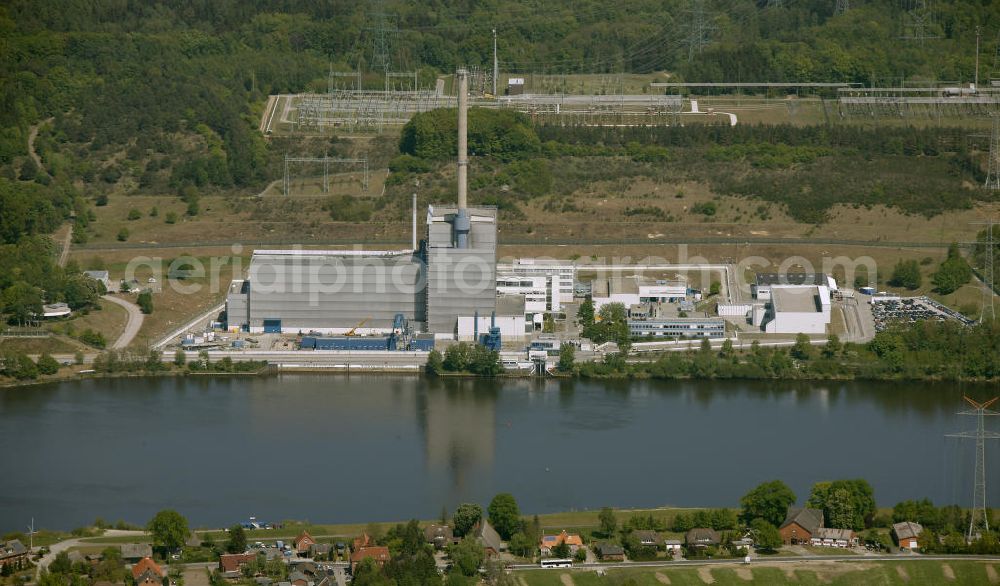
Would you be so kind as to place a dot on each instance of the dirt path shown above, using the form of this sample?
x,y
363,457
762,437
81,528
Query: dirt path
x,y
902,574
991,574
706,575
949,573
64,255
32,135
131,326
745,574
196,577
566,580
662,578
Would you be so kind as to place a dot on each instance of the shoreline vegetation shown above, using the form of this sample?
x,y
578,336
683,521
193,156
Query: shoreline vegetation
x,y
925,351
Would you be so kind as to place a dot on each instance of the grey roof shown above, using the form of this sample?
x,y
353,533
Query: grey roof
x,y
12,548
671,542
830,533
97,275
297,575
701,536
907,529
797,300
809,519
647,536
510,305
614,285
262,580
488,536
604,549
791,279
136,550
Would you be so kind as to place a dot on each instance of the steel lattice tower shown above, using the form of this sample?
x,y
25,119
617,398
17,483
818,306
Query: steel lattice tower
x,y
993,171
699,29
842,6
979,521
988,270
918,18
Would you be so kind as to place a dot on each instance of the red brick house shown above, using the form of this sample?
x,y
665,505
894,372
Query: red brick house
x,y
231,564
376,552
146,571
303,542
13,553
800,525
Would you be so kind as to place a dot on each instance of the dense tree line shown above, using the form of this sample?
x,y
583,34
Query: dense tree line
x,y
922,350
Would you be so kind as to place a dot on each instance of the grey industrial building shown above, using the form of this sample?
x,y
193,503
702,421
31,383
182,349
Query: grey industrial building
x,y
452,274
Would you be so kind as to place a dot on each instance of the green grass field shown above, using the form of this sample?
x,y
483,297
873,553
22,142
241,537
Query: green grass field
x,y
799,574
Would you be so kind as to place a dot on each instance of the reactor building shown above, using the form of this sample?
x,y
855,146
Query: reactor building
x,y
451,274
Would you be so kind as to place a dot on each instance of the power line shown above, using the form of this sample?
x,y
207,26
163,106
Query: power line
x,y
842,6
917,20
979,522
993,167
699,29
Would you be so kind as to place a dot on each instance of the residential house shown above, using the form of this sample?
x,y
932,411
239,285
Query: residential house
x,y
440,536
488,537
375,552
298,578
134,552
742,543
800,525
610,552
100,276
647,538
321,550
672,546
907,534
828,537
550,542
231,564
146,571
701,537
262,581
364,540
303,542
14,553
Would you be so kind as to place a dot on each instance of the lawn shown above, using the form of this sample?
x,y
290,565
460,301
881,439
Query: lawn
x,y
108,320
797,573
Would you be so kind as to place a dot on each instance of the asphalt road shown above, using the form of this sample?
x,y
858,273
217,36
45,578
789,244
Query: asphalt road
x,y
767,560
132,326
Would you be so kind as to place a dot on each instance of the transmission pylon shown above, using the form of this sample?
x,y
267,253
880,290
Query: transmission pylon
x,y
842,6
382,29
917,20
989,269
979,522
699,29
993,169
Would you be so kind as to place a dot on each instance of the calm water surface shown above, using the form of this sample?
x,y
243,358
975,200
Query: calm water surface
x,y
362,448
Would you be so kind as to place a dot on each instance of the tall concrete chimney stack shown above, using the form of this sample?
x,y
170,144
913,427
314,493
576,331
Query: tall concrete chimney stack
x,y
414,221
462,223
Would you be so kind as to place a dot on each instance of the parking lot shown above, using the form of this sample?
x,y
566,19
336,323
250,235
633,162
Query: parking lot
x,y
910,310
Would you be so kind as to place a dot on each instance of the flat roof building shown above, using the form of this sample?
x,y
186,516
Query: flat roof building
x,y
798,310
706,327
633,290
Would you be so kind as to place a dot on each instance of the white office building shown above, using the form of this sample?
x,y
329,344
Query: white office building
x,y
633,290
798,310
560,277
536,291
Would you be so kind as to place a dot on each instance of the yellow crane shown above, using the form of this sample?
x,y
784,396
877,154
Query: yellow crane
x,y
350,332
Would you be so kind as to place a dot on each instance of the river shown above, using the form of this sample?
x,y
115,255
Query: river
x,y
362,448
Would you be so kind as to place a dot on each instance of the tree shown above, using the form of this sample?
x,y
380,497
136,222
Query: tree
x,y
953,272
435,363
560,550
467,556
465,518
123,235
237,540
715,288
802,350
585,314
504,515
768,501
456,357
766,535
906,273
169,529
145,302
833,346
22,302
29,170
608,521
170,218
180,358
134,214
846,504
521,546
47,364
567,357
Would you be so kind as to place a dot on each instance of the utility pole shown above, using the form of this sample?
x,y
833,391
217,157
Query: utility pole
x,y
979,31
979,521
496,63
31,535
993,168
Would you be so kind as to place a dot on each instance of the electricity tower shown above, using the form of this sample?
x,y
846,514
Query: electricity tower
x,y
382,31
988,269
699,29
993,169
979,522
842,6
918,20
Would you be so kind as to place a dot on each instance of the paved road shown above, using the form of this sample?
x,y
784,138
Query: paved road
x,y
768,561
132,326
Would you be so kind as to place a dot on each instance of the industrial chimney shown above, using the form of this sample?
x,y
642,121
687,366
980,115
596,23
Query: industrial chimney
x,y
462,223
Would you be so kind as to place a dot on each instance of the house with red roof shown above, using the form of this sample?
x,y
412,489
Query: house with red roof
x,y
146,571
303,542
378,553
550,542
231,564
